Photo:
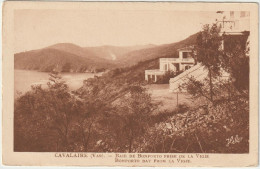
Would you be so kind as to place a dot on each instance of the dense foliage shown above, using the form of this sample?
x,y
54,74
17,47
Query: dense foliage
x,y
55,119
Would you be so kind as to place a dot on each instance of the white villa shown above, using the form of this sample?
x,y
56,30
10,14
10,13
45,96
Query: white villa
x,y
235,24
182,63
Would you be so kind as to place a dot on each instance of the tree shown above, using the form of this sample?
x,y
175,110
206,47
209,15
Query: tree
x,y
134,113
208,52
235,59
223,53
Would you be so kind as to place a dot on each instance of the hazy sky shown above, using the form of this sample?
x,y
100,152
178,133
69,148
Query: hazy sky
x,y
36,29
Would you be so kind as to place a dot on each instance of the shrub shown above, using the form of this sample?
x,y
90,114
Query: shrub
x,y
164,79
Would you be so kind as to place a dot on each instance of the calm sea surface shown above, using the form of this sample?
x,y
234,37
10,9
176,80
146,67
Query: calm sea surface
x,y
24,79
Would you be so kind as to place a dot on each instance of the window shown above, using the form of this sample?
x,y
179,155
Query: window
x,y
231,14
187,67
153,78
242,14
177,67
184,55
165,67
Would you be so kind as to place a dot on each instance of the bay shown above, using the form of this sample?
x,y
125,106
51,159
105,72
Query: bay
x,y
24,79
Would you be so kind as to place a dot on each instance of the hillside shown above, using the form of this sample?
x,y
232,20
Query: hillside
x,y
115,52
48,59
79,51
167,50
72,48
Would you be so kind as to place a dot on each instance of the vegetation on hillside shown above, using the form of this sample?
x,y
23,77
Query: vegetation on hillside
x,y
47,60
54,119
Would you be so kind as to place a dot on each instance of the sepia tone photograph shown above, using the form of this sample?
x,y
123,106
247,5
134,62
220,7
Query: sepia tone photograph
x,y
132,81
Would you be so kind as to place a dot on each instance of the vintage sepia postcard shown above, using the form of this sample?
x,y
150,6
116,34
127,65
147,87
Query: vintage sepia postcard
x,y
160,84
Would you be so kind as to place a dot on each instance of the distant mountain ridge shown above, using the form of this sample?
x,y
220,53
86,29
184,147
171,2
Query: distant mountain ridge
x,y
68,57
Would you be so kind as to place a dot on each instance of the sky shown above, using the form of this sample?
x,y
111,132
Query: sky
x,y
35,29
